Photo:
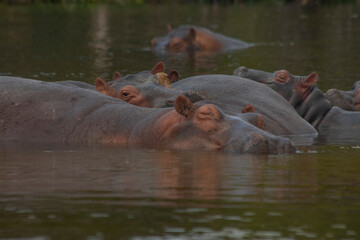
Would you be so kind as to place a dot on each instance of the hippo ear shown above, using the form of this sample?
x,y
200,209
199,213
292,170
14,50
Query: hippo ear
x,y
192,34
282,76
183,105
168,27
173,76
159,67
310,80
116,76
102,86
248,108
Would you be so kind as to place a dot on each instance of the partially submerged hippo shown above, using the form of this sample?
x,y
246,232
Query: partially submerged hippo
x,y
140,89
42,112
193,38
347,100
310,102
235,95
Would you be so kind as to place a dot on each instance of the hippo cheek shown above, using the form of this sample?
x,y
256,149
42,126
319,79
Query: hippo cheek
x,y
133,96
195,142
139,100
186,136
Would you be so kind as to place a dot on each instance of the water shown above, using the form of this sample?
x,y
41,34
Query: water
x,y
54,192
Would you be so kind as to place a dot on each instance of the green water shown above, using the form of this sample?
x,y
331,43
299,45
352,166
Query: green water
x,y
49,192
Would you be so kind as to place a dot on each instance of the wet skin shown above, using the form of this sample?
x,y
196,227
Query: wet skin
x,y
308,100
347,100
193,38
42,112
138,89
232,94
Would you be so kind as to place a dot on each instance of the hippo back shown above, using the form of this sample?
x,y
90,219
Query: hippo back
x,y
48,112
232,93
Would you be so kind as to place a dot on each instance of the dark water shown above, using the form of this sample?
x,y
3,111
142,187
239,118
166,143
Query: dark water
x,y
107,193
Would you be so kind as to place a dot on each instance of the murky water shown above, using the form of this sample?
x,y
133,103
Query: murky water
x,y
49,192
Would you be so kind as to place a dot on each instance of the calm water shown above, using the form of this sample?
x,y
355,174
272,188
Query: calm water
x,y
49,192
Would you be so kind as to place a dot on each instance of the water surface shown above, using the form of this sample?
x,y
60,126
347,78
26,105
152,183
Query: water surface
x,y
54,192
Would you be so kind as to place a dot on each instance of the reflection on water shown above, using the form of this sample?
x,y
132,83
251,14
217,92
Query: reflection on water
x,y
84,42
51,192
101,38
97,193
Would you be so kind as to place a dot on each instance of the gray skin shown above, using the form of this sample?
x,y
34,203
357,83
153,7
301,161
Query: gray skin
x,y
119,81
33,111
310,102
139,89
347,100
77,84
188,38
232,94
146,88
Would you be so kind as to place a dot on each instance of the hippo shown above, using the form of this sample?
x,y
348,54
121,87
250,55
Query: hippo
x,y
33,111
232,94
139,89
347,100
77,84
237,96
309,101
155,75
188,38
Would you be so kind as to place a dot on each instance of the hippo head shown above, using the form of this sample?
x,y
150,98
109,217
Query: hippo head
x,y
290,86
347,100
139,89
202,125
186,39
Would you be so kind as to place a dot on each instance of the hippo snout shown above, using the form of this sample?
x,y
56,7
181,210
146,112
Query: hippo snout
x,y
241,71
335,98
260,144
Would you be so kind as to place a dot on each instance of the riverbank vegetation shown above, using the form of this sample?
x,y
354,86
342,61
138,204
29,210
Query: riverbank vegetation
x,y
141,2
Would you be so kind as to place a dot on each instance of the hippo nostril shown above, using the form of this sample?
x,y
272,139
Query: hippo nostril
x,y
169,103
256,144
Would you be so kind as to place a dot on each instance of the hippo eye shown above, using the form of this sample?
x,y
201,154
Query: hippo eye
x,y
124,95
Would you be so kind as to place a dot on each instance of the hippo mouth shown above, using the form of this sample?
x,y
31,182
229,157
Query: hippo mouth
x,y
337,99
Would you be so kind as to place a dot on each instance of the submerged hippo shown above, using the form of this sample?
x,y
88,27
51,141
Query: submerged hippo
x,y
193,38
310,102
347,100
42,112
112,88
232,94
139,89
235,95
